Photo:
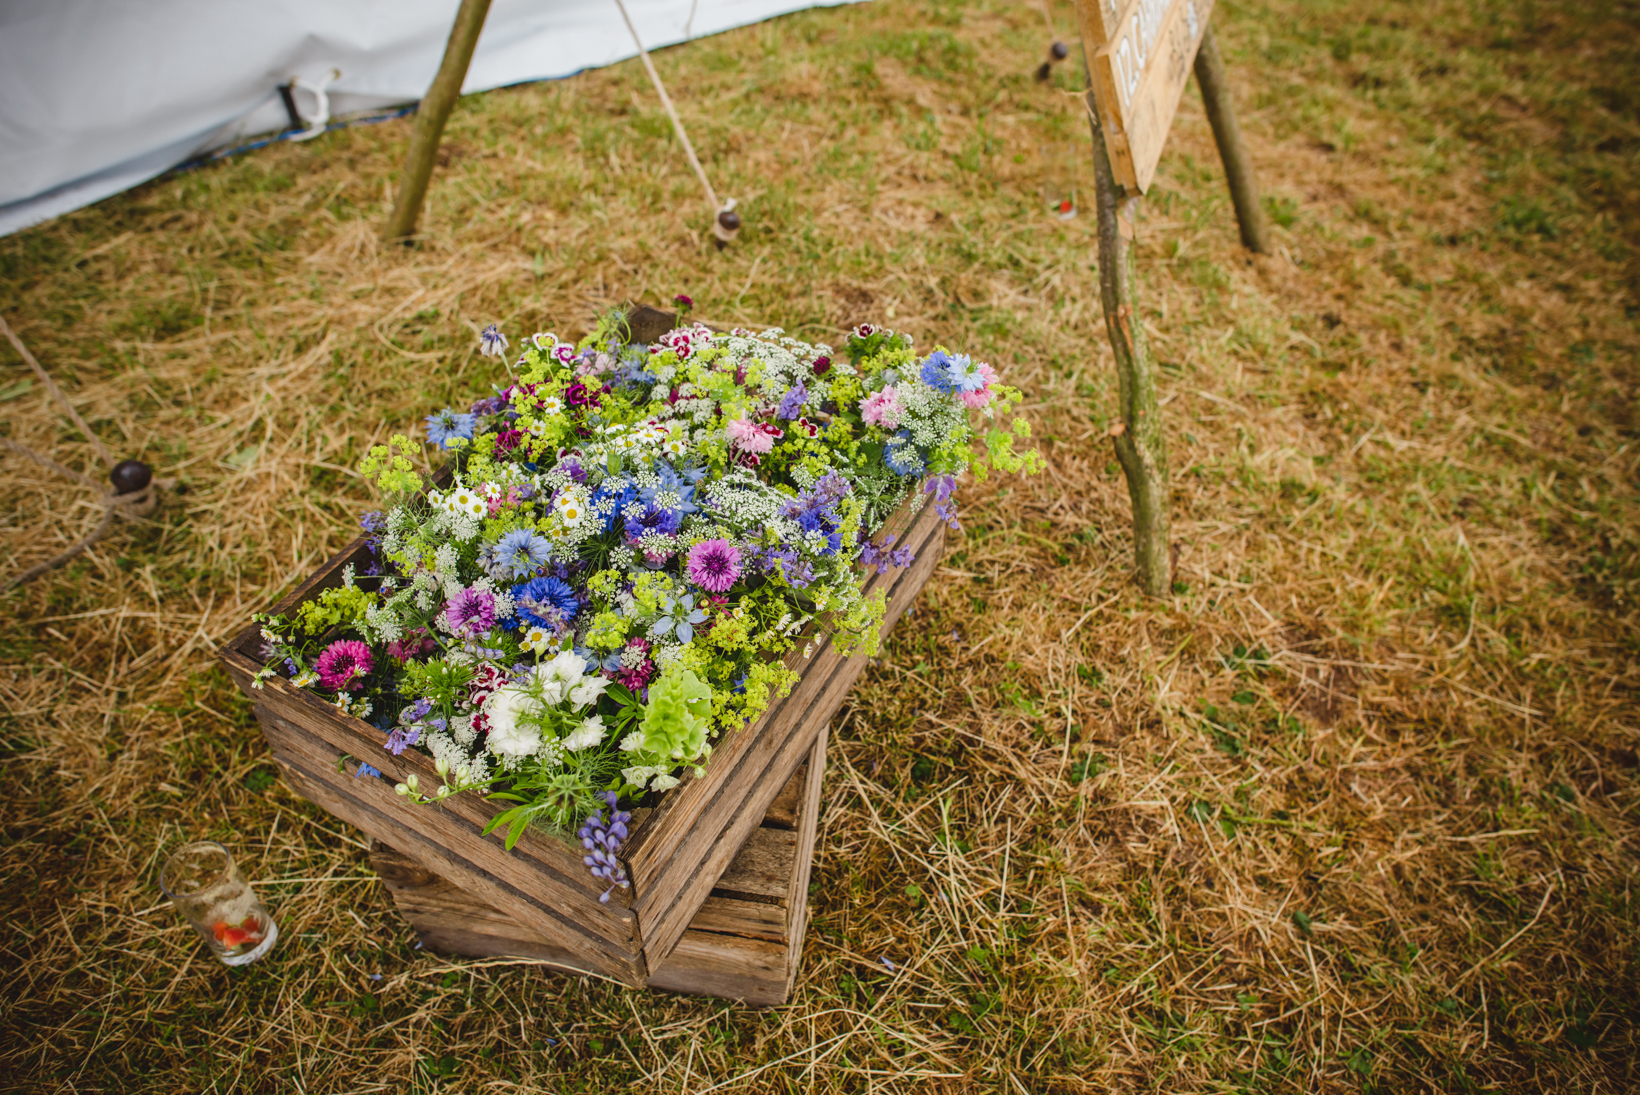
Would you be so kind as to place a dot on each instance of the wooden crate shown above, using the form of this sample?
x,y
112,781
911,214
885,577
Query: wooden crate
x,y
744,943
674,854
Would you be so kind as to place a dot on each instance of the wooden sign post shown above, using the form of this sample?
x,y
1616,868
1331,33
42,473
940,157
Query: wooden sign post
x,y
1139,53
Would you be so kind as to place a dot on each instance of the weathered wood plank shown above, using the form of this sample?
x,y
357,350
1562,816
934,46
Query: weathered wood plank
x,y
1139,60
783,811
448,845
555,859
729,966
763,867
714,956
590,953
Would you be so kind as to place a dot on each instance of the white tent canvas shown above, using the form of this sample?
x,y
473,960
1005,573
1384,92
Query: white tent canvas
x,y
97,96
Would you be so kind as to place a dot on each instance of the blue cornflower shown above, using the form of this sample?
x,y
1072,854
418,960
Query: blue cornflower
x,y
491,342
616,494
901,456
520,552
791,404
936,372
679,619
534,597
447,426
653,519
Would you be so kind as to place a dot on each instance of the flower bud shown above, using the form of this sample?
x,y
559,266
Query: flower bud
x,y
400,789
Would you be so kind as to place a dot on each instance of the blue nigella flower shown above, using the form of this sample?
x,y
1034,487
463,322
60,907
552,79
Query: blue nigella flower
x,y
965,373
616,494
520,552
447,426
901,456
682,484
533,597
679,619
937,372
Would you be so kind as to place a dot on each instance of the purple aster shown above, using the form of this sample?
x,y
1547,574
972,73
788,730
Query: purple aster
x,y
470,612
714,565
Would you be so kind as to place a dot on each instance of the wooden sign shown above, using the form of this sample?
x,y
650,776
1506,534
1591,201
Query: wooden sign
x,y
1140,53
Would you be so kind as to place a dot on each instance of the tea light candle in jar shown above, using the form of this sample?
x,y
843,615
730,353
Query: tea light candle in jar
x,y
208,889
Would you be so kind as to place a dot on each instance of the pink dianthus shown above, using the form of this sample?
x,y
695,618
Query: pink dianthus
x,y
754,437
714,565
343,664
882,409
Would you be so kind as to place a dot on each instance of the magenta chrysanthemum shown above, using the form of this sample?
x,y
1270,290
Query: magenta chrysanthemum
x,y
344,663
470,612
714,565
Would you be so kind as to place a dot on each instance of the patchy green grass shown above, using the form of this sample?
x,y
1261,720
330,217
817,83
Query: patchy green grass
x,y
1352,811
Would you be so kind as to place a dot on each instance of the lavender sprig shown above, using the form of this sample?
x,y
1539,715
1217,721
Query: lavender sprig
x,y
603,841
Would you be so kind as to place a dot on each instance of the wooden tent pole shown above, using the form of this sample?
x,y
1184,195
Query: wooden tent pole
x,y
431,116
1238,167
1140,447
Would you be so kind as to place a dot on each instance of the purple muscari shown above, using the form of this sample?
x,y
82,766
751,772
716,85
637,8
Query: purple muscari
x,y
602,840
791,404
290,667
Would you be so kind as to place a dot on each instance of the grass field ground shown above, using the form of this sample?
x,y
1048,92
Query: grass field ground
x,y
1355,809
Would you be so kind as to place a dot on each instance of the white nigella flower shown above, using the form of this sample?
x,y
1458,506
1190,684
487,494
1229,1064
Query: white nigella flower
x,y
508,735
587,691
591,732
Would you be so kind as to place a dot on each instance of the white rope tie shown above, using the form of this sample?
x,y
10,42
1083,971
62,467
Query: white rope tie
x,y
725,221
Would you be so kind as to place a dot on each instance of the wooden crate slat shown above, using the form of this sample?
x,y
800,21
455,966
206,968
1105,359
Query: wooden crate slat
x,y
787,805
535,926
762,869
563,883
446,848
736,949
730,966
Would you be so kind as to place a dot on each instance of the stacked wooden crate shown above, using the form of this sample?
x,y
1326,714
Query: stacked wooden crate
x,y
744,943
678,853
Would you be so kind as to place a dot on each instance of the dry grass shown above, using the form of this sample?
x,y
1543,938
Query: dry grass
x,y
1355,809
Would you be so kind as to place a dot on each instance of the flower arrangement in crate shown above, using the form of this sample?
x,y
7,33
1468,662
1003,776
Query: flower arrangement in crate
x,y
631,540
